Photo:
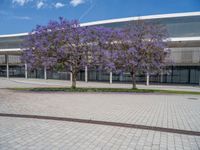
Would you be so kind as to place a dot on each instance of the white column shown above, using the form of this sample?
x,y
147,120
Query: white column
x,y
110,77
26,70
71,73
7,65
45,73
147,79
86,74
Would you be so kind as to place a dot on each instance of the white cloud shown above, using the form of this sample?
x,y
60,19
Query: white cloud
x,y
75,3
59,5
45,3
40,4
20,2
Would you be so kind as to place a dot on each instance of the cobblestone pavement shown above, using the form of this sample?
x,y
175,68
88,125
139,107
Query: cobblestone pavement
x,y
17,133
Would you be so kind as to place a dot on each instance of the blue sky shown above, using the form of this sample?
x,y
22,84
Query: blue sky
x,y
17,16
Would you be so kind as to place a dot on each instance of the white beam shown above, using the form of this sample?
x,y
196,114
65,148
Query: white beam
x,y
86,74
147,79
71,73
26,70
110,77
13,35
45,73
7,66
148,17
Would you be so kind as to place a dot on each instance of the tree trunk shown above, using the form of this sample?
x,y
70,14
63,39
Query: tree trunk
x,y
73,81
133,81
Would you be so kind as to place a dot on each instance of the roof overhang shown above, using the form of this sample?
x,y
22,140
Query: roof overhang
x,y
160,16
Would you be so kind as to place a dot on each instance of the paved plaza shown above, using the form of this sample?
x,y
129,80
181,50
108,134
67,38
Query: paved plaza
x,y
38,134
181,112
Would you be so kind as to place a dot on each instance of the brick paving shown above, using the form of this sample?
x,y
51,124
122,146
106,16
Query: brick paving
x,y
26,134
168,111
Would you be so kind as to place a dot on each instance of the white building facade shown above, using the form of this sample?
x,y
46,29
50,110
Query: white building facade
x,y
184,32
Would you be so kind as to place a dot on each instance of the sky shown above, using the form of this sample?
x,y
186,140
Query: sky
x,y
18,16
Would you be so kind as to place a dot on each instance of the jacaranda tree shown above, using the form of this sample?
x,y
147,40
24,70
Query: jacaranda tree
x,y
140,47
143,48
59,44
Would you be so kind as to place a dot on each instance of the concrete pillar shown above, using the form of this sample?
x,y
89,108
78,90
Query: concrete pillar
x,y
110,77
45,73
147,79
7,65
71,74
26,70
86,74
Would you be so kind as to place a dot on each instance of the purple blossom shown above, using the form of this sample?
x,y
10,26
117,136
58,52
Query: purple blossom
x,y
139,47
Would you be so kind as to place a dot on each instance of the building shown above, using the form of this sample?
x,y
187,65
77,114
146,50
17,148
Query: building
x,y
184,31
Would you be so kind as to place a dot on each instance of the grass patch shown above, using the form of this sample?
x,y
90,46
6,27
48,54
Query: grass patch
x,y
100,90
